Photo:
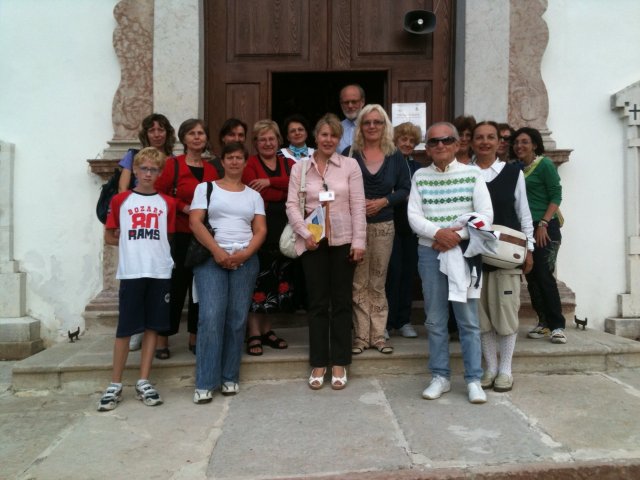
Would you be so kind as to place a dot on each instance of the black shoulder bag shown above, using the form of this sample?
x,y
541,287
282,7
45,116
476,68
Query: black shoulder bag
x,y
196,252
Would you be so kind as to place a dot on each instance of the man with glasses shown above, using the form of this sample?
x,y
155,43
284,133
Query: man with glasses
x,y
440,194
351,102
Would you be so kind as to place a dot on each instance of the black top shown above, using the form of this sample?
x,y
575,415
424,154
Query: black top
x,y
391,181
503,197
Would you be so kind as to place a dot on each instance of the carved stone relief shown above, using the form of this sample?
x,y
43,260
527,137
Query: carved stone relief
x,y
133,44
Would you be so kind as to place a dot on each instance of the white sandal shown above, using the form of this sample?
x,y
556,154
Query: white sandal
x,y
315,383
338,383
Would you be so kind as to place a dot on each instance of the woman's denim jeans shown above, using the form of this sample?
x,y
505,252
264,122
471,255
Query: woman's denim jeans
x,y
435,289
224,297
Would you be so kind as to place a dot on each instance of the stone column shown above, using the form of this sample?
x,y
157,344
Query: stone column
x,y
528,99
19,333
133,100
627,104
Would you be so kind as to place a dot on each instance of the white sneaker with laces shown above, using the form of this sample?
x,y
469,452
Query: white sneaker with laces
x,y
135,342
476,393
407,331
436,388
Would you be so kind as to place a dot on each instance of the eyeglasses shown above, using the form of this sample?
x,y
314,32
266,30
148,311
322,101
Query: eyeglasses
x,y
506,138
267,140
151,170
433,142
350,102
372,123
297,130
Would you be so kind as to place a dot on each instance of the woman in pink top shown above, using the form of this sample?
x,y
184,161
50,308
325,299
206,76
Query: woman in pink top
x,y
335,182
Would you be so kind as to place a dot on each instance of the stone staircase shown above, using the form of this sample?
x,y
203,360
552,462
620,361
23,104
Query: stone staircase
x,y
84,366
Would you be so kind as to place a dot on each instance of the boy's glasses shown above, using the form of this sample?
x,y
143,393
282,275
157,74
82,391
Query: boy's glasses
x,y
433,142
151,170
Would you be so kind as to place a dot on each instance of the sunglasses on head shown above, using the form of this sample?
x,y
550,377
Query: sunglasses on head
x,y
433,142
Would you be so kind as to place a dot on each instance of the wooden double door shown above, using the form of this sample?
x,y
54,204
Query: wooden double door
x,y
271,58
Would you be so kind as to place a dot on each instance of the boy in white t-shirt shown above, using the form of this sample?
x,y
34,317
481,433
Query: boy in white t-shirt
x,y
139,222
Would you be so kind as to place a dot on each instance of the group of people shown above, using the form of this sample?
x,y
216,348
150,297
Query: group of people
x,y
385,218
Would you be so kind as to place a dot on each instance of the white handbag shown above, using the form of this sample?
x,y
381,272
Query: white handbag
x,y
288,237
511,251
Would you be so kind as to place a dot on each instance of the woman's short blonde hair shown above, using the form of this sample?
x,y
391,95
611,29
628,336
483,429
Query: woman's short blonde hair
x,y
386,142
332,121
265,125
152,154
407,129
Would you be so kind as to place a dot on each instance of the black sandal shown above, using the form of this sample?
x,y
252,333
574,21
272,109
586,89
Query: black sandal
x,y
270,338
254,342
163,353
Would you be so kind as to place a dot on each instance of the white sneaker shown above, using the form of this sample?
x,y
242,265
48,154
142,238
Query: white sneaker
x,y
558,336
230,388
436,388
476,394
202,396
407,331
135,342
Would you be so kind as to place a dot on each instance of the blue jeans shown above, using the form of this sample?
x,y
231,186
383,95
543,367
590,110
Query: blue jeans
x,y
435,289
224,297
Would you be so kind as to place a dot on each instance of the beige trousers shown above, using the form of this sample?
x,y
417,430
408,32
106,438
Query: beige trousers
x,y
370,308
500,301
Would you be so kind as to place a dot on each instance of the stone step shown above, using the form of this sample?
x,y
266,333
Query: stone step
x,y
19,338
101,315
84,366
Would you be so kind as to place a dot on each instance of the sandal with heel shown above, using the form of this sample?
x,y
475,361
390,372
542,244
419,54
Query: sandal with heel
x,y
315,383
338,383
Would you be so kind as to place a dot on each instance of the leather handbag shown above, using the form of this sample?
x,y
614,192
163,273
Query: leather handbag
x,y
196,252
288,237
511,251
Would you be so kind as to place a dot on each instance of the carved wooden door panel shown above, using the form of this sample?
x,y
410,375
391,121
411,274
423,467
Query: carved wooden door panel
x,y
246,41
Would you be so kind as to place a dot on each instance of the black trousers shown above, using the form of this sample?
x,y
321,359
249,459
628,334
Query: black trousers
x,y
541,283
329,278
181,280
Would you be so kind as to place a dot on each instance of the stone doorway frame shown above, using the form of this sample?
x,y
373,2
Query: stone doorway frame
x,y
165,54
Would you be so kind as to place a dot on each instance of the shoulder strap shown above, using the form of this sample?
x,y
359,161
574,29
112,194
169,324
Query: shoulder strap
x,y
302,193
209,191
532,167
174,191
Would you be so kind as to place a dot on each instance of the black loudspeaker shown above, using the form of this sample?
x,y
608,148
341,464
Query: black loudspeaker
x,y
420,22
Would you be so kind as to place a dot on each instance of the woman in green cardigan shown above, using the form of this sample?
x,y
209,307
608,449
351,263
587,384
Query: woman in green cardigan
x,y
544,193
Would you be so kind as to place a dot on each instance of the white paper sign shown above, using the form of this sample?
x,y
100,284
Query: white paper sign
x,y
415,113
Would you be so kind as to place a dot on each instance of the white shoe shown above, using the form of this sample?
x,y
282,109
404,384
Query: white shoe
x,y
476,393
436,388
135,342
558,336
230,388
202,396
407,331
